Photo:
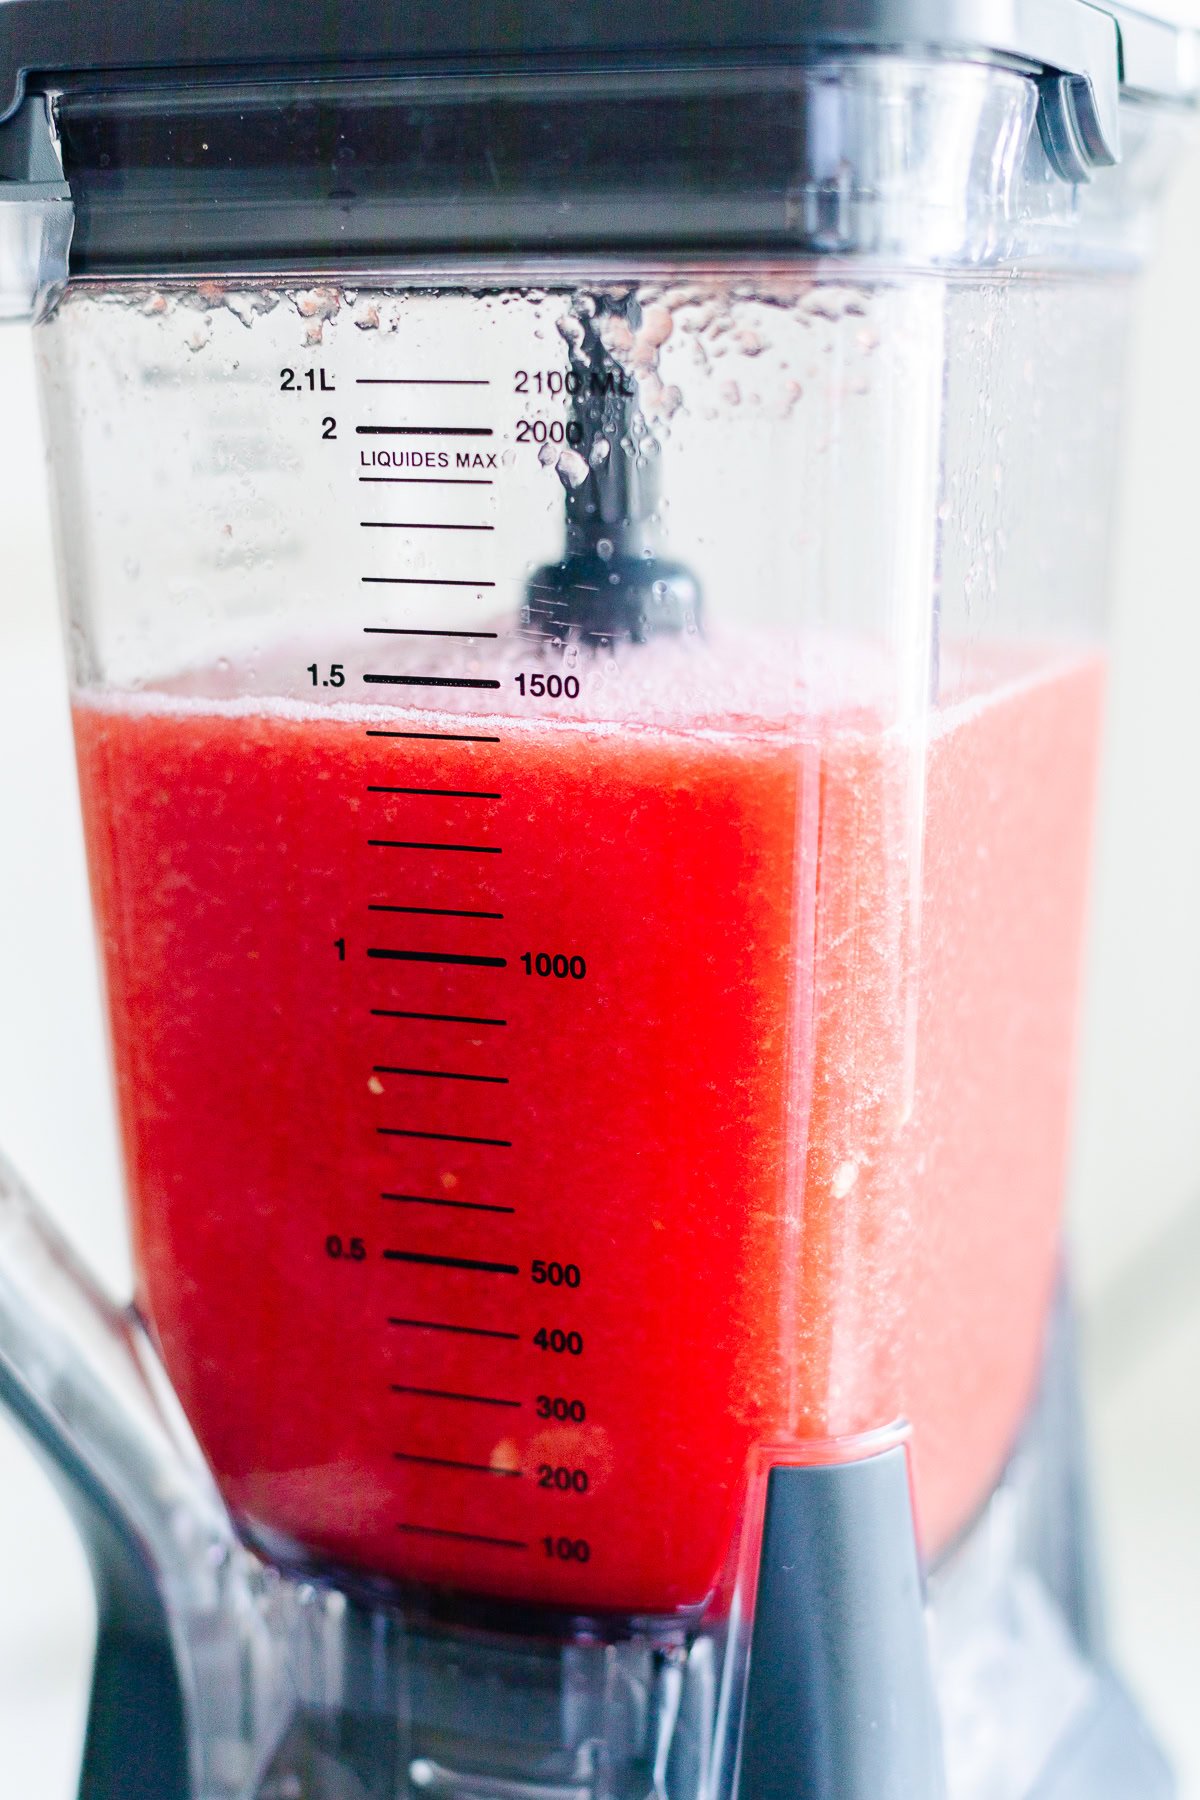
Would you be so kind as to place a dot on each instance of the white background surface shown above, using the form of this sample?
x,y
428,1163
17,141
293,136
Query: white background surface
x,y
1138,1160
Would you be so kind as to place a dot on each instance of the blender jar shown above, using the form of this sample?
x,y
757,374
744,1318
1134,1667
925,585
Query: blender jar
x,y
584,565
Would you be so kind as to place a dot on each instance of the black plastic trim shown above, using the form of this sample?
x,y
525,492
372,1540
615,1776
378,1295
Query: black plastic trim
x,y
840,1702
62,43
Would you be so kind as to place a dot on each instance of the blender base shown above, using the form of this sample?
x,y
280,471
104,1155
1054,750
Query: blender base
x,y
854,1682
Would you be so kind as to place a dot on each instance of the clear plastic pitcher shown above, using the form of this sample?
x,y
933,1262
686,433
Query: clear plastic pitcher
x,y
584,575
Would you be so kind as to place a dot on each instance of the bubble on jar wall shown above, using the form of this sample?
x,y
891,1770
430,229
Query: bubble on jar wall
x,y
604,549
655,328
599,452
616,334
572,469
701,316
570,329
670,399
825,303
749,341
246,307
317,303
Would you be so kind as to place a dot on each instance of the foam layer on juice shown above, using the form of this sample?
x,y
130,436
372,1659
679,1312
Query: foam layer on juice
x,y
498,1279
690,682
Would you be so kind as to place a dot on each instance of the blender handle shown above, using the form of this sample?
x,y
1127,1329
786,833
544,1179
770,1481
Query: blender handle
x,y
79,1376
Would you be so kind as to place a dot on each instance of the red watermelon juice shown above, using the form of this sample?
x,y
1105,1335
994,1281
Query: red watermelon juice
x,y
527,1121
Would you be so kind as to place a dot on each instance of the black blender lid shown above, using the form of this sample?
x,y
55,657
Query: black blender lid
x,y
48,44
192,39
267,134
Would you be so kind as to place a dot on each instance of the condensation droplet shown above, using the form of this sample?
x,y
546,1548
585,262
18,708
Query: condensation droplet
x,y
572,469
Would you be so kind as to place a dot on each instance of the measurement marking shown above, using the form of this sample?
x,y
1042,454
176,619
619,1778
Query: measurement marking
x,y
404,844
433,480
440,1074
465,1537
443,737
449,1394
458,1205
434,912
420,381
447,793
440,956
420,581
388,1012
424,431
442,1137
417,525
448,1462
451,1262
413,631
438,681
513,1337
